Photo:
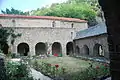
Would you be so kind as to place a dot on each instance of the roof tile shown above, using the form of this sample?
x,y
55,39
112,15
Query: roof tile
x,y
43,17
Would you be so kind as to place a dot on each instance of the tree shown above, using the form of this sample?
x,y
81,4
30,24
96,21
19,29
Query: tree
x,y
82,11
71,9
14,11
6,33
93,3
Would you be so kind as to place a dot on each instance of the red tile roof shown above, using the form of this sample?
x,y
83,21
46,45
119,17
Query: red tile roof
x,y
43,17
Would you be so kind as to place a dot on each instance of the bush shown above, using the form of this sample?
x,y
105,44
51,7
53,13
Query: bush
x,y
17,71
2,69
49,69
14,55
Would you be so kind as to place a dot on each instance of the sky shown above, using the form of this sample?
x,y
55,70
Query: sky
x,y
26,5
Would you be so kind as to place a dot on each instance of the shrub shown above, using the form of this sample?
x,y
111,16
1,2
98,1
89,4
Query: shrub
x,y
2,69
17,71
49,69
15,55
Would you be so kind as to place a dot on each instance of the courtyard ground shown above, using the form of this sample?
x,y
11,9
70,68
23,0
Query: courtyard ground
x,y
69,63
74,68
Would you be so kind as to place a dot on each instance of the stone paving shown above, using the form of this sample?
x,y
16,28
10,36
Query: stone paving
x,y
108,78
38,76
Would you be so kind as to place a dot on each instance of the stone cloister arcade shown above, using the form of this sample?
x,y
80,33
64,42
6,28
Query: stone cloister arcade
x,y
95,46
41,48
84,50
44,39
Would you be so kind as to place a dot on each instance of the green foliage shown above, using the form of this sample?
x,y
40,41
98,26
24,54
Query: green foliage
x,y
5,34
82,11
14,11
49,69
2,68
14,55
92,72
72,9
17,71
94,3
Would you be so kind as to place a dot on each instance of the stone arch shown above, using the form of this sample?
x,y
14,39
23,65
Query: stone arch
x,y
56,48
23,49
40,48
69,48
4,48
98,50
77,50
85,50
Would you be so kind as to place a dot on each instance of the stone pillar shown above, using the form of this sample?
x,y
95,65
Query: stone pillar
x,y
91,51
49,49
106,51
32,50
63,49
112,16
14,49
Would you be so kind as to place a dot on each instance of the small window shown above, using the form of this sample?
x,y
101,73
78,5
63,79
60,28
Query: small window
x,y
72,25
71,35
0,25
13,21
53,24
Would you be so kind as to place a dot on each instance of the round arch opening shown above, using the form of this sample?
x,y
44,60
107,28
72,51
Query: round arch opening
x,y
69,48
98,50
40,48
85,50
4,47
23,49
56,49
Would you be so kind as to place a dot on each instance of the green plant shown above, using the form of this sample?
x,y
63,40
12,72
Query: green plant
x,y
17,71
2,69
14,55
36,66
90,73
59,67
1,54
49,69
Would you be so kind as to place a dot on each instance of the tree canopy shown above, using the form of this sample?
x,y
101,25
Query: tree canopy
x,y
83,9
14,11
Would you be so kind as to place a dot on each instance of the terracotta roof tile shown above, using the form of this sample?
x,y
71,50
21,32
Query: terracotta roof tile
x,y
43,17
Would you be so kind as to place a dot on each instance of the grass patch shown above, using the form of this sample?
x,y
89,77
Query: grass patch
x,y
74,68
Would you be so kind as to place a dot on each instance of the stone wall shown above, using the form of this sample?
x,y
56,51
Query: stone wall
x,y
36,30
90,43
32,36
23,22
